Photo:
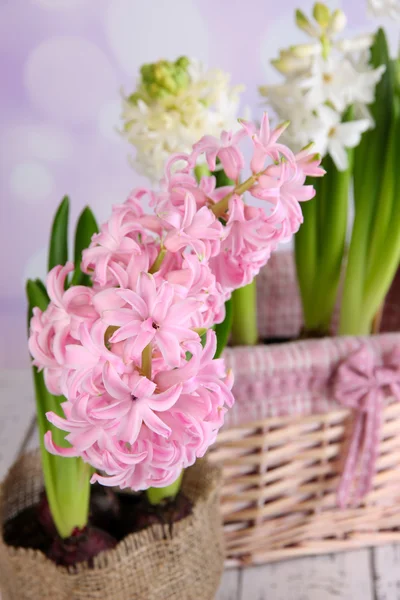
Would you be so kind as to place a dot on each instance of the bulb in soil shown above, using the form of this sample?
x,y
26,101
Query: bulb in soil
x,y
45,517
167,513
105,509
83,545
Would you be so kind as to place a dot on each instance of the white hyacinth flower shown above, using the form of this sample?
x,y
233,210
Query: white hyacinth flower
x,y
329,81
323,80
385,8
174,105
334,137
356,44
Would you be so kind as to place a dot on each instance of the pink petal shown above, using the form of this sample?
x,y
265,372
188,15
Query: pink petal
x,y
129,330
55,282
84,440
131,425
155,423
114,384
77,357
58,450
169,347
112,481
61,423
143,388
190,210
264,130
136,345
258,159
165,400
137,303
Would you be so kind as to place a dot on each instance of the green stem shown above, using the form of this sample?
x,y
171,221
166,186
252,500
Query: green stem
x,y
158,262
351,316
381,224
305,243
333,204
67,480
373,256
383,271
244,324
147,361
220,208
157,495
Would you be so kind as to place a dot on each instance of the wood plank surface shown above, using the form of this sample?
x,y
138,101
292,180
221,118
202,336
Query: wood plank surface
x,y
345,576
17,407
230,585
386,572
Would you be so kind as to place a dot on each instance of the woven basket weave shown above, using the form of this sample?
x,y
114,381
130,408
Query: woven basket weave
x,y
150,565
284,441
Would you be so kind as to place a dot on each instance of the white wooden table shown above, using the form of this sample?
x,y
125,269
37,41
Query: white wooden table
x,y
368,574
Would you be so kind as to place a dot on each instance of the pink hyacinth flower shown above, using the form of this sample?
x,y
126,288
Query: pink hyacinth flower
x,y
139,402
226,149
198,229
266,146
309,163
152,314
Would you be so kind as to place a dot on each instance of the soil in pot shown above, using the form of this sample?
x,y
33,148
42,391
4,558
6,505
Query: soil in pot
x,y
113,515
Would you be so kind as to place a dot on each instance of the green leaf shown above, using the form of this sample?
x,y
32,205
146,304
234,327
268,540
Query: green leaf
x,y
41,285
66,479
370,180
333,202
221,177
158,495
58,250
85,229
370,155
244,330
223,329
306,252
37,296
385,260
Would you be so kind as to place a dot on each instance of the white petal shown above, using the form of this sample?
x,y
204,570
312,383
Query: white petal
x,y
338,154
349,134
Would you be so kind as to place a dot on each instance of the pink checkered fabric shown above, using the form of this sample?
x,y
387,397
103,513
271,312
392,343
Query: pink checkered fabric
x,y
276,284
291,378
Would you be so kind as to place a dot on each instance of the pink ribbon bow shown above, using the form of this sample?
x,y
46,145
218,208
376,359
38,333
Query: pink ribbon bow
x,y
361,385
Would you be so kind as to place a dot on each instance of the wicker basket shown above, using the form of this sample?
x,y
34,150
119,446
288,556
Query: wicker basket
x,y
284,443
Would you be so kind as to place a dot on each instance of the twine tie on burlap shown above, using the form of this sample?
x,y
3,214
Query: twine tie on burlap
x,y
362,385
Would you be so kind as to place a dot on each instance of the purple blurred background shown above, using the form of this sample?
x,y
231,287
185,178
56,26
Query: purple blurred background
x,y
63,65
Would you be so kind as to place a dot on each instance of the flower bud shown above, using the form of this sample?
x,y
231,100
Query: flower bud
x,y
321,14
306,50
305,25
161,79
165,78
288,63
338,21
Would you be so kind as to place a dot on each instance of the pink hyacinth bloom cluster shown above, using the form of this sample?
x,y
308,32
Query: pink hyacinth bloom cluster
x,y
144,394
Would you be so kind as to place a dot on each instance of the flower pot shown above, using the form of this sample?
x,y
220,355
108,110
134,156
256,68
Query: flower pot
x,y
156,563
298,475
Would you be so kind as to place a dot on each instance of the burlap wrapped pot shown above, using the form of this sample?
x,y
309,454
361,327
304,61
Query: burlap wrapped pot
x,y
150,565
